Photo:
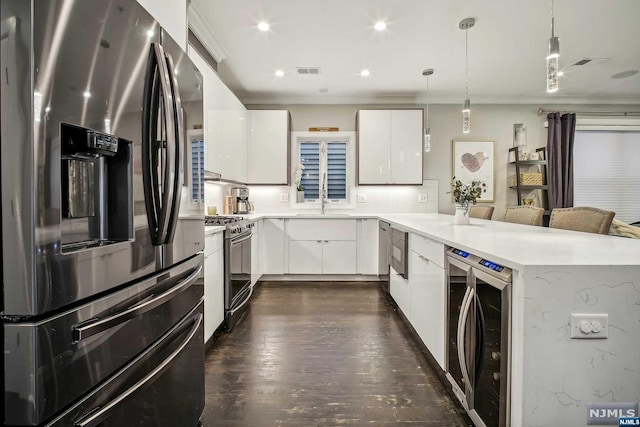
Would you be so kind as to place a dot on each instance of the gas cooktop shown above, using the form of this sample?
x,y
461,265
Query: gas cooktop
x,y
234,225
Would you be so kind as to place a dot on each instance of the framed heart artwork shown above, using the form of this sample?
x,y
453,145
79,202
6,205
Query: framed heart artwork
x,y
474,160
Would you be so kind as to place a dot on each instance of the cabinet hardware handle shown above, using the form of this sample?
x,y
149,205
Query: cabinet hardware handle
x,y
319,241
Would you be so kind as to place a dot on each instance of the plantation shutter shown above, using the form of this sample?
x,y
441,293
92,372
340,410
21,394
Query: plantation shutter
x,y
310,159
197,170
337,170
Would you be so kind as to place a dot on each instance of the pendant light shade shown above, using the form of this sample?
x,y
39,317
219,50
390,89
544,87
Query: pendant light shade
x,y
465,24
427,129
552,58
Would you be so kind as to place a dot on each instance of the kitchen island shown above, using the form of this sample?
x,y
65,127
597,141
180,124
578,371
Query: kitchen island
x,y
556,273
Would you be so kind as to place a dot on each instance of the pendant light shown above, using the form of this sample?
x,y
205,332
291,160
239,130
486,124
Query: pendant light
x,y
552,58
427,129
465,24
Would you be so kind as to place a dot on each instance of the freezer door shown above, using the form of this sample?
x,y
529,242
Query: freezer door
x,y
81,63
162,387
51,363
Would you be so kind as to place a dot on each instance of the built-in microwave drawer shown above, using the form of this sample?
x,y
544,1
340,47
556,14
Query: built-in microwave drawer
x,y
430,249
399,252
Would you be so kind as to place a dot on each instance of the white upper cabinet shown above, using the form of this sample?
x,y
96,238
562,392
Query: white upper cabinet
x,y
268,147
225,125
374,136
390,146
406,146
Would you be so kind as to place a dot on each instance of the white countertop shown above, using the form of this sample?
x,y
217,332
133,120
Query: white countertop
x,y
213,229
513,245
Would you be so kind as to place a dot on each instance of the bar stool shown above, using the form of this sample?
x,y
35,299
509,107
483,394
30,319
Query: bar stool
x,y
481,212
587,219
524,214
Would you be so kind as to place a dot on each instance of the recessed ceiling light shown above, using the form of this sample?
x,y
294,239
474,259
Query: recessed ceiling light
x,y
365,73
560,73
380,26
279,73
263,26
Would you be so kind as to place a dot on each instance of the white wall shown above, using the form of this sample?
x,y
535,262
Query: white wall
x,y
172,16
494,122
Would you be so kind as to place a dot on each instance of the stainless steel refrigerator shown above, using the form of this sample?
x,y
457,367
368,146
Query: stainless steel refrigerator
x,y
101,320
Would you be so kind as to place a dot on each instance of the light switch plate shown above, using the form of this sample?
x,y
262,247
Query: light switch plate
x,y
362,198
284,197
589,326
423,198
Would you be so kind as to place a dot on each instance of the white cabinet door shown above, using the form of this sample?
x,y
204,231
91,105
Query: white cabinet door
x,y
406,146
427,282
305,257
213,293
338,257
268,152
374,133
400,292
234,143
255,253
272,246
368,246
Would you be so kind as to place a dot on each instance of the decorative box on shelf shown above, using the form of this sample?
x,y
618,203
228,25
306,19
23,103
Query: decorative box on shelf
x,y
529,178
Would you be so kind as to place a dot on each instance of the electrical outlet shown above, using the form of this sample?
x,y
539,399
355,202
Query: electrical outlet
x,y
284,197
589,326
362,198
423,198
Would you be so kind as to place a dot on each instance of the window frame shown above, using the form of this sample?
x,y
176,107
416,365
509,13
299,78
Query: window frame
x,y
348,139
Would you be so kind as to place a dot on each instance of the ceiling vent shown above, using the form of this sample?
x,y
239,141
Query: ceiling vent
x,y
308,71
585,61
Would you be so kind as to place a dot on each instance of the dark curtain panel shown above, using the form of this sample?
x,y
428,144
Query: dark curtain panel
x,y
560,136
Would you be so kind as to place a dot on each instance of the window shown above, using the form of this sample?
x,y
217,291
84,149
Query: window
x,y
325,166
605,174
197,169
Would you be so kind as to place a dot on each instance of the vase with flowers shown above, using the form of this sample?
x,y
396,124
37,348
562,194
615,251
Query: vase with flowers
x,y
464,196
297,175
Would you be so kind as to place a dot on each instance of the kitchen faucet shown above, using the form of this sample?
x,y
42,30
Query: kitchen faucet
x,y
324,191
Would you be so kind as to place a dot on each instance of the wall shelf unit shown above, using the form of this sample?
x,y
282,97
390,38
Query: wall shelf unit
x,y
522,166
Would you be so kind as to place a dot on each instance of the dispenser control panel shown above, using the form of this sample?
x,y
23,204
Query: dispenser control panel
x,y
105,144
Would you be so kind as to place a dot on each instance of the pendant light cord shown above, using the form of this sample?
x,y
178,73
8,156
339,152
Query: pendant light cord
x,y
552,20
466,63
427,102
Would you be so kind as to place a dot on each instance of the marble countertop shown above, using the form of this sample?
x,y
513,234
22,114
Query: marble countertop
x,y
513,245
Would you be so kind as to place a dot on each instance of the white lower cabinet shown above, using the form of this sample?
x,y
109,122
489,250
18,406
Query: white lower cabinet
x,y
400,292
213,284
305,257
271,246
322,246
427,290
368,246
339,257
256,271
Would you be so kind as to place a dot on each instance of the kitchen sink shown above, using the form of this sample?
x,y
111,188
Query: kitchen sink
x,y
325,215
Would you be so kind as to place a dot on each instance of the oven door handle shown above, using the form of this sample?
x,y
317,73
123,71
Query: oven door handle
x,y
232,312
240,239
462,326
95,326
95,417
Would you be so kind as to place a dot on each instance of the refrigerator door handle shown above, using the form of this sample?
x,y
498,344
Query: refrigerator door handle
x,y
97,325
158,203
462,326
98,415
179,144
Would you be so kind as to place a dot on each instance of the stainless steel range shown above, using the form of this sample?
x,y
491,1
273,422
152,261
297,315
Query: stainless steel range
x,y
237,266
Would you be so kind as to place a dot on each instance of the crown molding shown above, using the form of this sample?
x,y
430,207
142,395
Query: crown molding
x,y
206,35
283,99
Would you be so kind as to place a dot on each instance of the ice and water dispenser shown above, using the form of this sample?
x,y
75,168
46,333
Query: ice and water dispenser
x,y
96,188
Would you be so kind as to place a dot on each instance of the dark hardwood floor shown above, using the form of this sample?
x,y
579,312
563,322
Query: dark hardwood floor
x,y
322,354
